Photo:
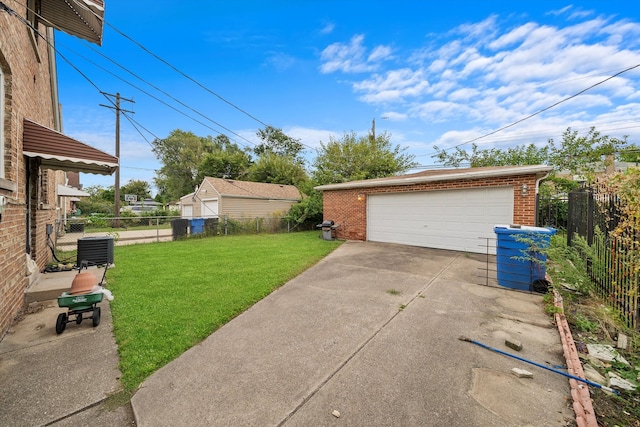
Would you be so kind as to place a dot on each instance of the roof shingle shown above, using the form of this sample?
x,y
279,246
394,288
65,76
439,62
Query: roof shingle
x,y
261,190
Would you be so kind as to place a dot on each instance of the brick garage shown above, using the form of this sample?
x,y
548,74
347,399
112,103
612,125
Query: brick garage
x,y
448,209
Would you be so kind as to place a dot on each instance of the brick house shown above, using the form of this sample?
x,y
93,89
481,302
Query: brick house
x,y
448,209
34,155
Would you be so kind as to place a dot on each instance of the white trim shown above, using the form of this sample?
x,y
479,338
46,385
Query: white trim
x,y
453,176
69,159
65,191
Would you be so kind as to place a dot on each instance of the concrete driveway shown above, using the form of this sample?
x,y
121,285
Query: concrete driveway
x,y
369,337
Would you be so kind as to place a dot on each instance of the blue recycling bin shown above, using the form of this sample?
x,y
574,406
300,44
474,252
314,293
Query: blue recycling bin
x,y
197,225
521,256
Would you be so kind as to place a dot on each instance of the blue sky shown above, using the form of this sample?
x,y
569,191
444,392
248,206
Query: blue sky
x,y
429,73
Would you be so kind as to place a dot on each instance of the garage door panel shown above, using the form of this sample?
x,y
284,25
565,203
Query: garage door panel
x,y
448,219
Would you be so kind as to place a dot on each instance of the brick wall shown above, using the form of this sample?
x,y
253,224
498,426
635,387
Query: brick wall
x,y
345,208
27,89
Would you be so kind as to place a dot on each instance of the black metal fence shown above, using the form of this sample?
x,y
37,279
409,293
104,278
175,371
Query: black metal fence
x,y
552,211
611,260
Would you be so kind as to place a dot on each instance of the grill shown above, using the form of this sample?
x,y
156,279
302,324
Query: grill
x,y
328,229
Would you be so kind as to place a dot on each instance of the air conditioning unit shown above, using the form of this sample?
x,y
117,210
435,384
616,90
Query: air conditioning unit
x,y
95,250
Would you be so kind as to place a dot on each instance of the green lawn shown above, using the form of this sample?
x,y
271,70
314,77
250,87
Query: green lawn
x,y
170,296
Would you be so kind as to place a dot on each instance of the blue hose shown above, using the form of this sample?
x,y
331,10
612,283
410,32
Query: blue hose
x,y
591,383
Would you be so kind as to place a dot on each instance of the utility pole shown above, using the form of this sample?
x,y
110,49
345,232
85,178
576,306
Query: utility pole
x,y
117,108
373,130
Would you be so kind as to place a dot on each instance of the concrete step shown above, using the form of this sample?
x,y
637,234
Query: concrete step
x,y
49,286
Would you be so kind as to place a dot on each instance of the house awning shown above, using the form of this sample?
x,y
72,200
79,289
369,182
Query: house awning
x,y
81,18
65,191
60,152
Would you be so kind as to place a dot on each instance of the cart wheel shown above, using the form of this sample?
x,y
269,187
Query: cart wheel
x,y
61,323
78,318
96,316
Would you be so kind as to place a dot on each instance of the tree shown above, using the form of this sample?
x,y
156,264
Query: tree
x,y
277,142
576,154
276,169
584,155
309,210
226,160
142,189
513,156
100,200
630,154
352,158
180,153
279,160
97,192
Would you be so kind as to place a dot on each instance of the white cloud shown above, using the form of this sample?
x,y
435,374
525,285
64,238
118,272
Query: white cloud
x,y
439,111
394,116
279,60
516,35
393,85
328,28
379,53
312,137
482,76
352,57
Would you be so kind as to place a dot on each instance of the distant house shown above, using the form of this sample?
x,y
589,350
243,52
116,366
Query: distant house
x,y
217,197
68,196
147,205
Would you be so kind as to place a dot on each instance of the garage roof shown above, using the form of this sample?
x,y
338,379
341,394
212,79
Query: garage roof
x,y
256,190
441,175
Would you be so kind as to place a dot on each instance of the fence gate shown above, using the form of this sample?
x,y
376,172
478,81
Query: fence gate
x,y
580,220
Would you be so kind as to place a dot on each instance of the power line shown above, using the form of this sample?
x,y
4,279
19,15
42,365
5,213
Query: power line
x,y
26,22
50,44
159,90
184,74
155,87
529,136
197,83
544,109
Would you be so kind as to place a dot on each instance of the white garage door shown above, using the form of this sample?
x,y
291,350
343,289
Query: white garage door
x,y
447,219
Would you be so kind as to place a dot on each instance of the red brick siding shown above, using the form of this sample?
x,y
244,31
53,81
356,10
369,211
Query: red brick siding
x,y
343,206
27,88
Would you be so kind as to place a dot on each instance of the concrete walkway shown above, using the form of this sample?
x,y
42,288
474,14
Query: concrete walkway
x,y
60,380
369,336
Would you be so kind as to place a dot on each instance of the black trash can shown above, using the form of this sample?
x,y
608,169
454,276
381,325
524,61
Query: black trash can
x,y
211,226
179,228
76,227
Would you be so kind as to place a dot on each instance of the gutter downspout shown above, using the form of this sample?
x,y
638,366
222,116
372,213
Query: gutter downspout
x,y
53,76
540,179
